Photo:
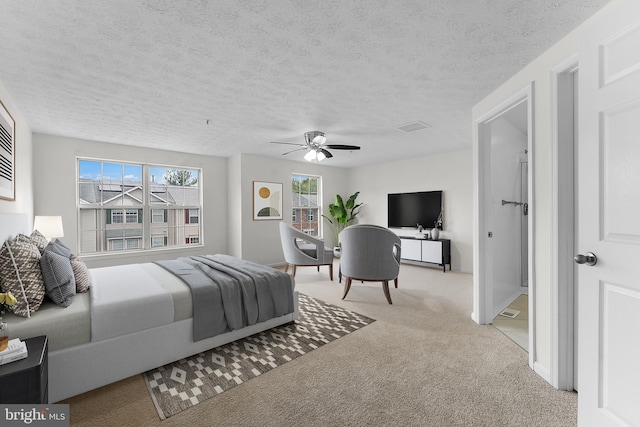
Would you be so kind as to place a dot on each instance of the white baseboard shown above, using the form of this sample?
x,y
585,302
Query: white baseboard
x,y
542,371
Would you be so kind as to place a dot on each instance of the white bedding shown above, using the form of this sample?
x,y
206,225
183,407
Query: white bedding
x,y
127,299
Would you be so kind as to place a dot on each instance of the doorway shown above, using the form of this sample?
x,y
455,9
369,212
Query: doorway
x,y
509,182
504,189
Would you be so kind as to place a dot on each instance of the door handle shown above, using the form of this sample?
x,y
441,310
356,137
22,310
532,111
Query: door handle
x,y
589,258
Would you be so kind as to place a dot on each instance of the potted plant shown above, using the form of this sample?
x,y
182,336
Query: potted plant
x,y
343,214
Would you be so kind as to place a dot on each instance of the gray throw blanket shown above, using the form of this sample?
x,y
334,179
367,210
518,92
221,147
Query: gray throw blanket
x,y
230,293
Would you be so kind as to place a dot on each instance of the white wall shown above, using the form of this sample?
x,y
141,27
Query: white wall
x,y
23,167
449,172
55,191
261,239
508,145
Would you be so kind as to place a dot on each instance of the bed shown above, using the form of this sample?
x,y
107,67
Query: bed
x,y
147,321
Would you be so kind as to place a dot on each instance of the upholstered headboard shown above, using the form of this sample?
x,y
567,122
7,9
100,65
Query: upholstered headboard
x,y
11,224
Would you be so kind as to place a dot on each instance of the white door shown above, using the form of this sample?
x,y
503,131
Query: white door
x,y
609,220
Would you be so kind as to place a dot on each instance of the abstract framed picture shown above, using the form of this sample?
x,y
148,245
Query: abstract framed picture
x,y
267,200
7,155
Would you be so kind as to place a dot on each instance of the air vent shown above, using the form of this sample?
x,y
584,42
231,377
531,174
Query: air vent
x,y
413,126
510,313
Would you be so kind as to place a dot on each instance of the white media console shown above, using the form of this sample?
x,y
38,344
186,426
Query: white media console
x,y
427,251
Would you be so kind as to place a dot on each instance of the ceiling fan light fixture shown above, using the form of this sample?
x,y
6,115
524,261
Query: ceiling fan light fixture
x,y
320,156
310,156
320,139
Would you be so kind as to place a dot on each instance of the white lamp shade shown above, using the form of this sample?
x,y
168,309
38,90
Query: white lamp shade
x,y
49,226
320,156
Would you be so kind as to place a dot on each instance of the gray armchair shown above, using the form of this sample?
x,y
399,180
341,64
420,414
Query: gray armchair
x,y
369,253
300,249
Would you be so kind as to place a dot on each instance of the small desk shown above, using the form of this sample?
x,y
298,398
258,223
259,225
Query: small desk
x,y
27,380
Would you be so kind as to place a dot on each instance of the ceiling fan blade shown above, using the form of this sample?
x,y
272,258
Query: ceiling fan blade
x,y
292,151
327,154
342,147
286,143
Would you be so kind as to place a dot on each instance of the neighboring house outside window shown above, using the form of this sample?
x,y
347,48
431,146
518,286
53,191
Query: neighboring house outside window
x,y
125,206
307,203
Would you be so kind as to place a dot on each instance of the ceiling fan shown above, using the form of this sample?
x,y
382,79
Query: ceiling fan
x,y
315,144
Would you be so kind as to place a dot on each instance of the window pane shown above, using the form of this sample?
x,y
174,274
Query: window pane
x,y
133,243
157,241
116,244
89,170
157,216
194,216
131,216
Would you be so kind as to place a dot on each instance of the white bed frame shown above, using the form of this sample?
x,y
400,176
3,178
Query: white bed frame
x,y
85,367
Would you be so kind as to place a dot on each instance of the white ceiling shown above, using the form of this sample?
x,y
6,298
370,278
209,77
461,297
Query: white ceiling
x,y
151,73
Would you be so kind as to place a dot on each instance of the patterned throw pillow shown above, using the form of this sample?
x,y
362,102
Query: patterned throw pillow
x,y
81,274
58,278
39,239
32,240
20,274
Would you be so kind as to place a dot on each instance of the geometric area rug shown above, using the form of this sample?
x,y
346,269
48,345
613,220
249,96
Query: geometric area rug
x,y
192,380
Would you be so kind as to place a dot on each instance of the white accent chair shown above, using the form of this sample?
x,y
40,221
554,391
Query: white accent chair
x,y
300,249
369,253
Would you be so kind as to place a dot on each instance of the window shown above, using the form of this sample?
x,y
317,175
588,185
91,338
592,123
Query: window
x,y
126,206
158,216
307,203
192,216
157,241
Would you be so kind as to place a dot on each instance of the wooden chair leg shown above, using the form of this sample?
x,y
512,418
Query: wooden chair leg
x,y
318,269
331,272
293,270
286,267
395,282
385,288
347,286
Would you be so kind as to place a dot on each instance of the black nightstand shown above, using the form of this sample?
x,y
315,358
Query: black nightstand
x,y
27,380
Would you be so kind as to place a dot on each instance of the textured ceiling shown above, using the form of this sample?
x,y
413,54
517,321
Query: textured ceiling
x,y
152,73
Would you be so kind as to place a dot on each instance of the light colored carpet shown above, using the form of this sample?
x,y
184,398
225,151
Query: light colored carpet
x,y
424,362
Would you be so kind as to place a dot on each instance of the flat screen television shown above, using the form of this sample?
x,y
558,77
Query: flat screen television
x,y
407,210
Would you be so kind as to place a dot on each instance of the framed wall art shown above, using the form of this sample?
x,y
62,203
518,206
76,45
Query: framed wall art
x,y
267,200
7,155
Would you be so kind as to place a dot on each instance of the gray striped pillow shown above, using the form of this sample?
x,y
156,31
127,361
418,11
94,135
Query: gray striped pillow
x,y
58,278
81,274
